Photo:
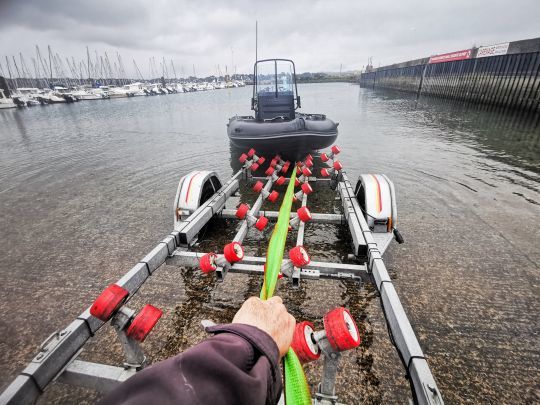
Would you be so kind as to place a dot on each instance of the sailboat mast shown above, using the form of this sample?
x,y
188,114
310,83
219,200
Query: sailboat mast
x,y
50,61
88,62
174,71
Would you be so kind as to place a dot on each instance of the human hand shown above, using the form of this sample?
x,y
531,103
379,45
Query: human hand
x,y
272,317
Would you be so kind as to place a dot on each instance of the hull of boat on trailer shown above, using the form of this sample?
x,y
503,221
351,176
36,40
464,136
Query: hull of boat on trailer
x,y
287,138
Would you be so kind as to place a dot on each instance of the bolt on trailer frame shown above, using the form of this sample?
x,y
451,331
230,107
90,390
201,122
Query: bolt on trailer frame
x,y
58,355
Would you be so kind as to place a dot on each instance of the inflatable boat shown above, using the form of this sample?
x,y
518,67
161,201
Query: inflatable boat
x,y
276,126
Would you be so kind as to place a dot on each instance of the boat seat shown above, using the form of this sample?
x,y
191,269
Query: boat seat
x,y
270,106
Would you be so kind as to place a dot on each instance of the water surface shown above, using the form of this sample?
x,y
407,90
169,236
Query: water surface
x,y
86,190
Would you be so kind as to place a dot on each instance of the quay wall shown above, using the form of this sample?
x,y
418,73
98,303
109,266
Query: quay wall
x,y
506,75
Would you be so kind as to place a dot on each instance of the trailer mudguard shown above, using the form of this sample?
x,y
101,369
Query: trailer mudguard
x,y
377,198
193,190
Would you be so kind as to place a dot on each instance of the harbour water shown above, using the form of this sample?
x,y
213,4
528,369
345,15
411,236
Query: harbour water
x,y
86,190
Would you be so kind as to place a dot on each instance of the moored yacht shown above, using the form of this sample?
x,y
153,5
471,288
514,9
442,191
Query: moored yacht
x,y
88,94
65,93
27,95
115,92
134,89
6,102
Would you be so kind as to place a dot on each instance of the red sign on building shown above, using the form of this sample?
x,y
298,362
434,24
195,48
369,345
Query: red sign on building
x,y
449,57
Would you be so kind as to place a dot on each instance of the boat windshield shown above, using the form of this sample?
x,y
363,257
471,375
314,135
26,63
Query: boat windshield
x,y
285,78
266,78
275,77
274,92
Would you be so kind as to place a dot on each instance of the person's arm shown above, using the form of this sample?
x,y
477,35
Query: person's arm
x,y
238,365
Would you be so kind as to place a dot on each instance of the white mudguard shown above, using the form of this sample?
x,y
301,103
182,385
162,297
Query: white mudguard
x,y
192,189
377,197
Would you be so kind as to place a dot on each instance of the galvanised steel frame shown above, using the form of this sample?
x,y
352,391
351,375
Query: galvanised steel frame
x,y
58,355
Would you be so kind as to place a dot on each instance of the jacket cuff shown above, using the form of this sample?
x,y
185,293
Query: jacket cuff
x,y
259,339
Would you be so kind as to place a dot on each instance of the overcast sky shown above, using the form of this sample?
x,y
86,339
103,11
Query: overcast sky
x,y
317,35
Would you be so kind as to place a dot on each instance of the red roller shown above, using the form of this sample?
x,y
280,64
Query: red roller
x,y
233,252
306,188
285,167
144,322
242,211
304,214
270,171
254,167
296,182
324,157
309,162
273,196
108,302
261,223
273,162
306,172
341,330
303,344
261,160
325,173
207,263
243,157
299,256
335,150
337,165
258,186
280,180
309,157
251,152
298,170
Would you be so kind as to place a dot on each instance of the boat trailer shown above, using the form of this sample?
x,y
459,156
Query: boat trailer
x,y
369,211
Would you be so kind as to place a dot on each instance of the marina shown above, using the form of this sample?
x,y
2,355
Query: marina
x,y
94,79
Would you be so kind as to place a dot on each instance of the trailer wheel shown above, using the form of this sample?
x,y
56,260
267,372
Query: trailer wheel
x,y
108,302
144,322
341,330
303,344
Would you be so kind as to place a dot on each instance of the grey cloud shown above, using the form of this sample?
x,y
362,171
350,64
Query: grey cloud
x,y
318,35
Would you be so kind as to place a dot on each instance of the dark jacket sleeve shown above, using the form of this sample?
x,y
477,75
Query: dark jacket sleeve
x,y
238,365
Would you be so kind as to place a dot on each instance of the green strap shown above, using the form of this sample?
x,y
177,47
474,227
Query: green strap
x,y
296,387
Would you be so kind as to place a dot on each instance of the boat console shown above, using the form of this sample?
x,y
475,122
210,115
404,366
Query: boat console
x,y
275,93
